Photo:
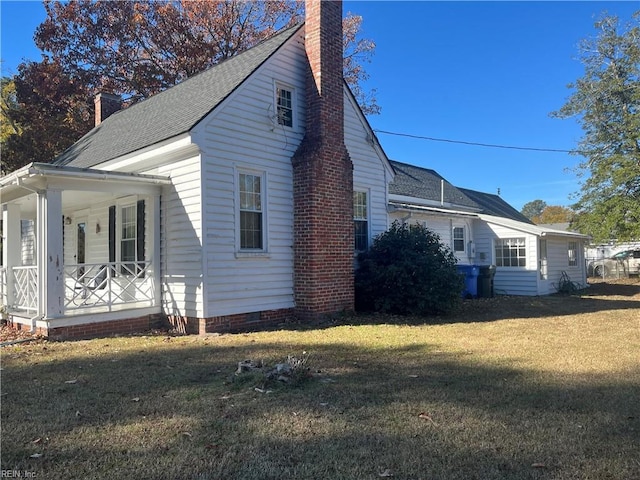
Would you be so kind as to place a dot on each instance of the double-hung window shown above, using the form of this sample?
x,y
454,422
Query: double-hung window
x,y
128,241
458,239
284,105
361,221
511,252
127,237
251,191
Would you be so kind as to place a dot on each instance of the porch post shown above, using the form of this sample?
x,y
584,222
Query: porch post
x,y
11,247
154,222
50,257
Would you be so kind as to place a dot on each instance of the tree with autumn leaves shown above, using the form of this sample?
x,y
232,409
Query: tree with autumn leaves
x,y
137,49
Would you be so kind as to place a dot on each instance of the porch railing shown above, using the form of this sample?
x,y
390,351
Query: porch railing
x,y
25,288
108,285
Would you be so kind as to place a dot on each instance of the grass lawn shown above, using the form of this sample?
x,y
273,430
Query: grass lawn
x,y
536,388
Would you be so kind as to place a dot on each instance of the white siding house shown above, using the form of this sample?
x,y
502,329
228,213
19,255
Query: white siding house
x,y
482,229
182,205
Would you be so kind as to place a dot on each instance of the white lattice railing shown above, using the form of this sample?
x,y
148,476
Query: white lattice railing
x,y
25,288
108,285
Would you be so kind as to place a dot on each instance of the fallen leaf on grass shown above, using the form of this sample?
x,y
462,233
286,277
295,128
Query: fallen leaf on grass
x,y
136,399
426,416
78,414
413,376
187,434
538,465
386,473
35,455
75,380
37,440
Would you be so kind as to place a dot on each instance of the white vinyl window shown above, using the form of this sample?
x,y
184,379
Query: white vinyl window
x,y
251,201
511,252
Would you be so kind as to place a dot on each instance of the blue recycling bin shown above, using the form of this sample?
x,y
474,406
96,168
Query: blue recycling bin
x,y
470,273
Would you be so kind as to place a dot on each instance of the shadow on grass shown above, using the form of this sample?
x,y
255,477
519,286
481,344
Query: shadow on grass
x,y
611,289
599,297
414,412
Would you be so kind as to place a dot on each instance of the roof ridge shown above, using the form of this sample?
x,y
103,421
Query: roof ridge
x,y
202,72
173,111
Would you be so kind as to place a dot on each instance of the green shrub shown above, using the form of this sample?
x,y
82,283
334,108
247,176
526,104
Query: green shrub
x,y
408,271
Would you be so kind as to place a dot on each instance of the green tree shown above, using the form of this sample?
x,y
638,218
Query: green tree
x,y
533,208
606,101
8,107
408,271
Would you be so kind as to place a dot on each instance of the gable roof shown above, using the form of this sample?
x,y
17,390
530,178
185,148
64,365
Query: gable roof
x,y
426,184
171,112
495,205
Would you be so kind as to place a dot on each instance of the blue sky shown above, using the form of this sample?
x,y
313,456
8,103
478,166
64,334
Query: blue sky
x,y
483,72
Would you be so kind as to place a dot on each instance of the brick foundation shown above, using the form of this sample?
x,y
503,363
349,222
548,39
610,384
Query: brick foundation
x,y
97,329
232,323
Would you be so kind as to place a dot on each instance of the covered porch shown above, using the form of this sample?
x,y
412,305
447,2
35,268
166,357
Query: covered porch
x,y
79,246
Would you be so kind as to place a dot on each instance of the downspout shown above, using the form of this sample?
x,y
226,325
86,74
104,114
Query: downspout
x,y
33,321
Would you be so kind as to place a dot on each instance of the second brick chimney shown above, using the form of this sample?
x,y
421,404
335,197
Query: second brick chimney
x,y
106,104
323,176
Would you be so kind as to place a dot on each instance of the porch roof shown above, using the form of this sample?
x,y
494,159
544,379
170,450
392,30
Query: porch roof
x,y
538,230
38,176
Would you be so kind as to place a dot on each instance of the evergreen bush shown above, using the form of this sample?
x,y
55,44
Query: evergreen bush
x,y
408,271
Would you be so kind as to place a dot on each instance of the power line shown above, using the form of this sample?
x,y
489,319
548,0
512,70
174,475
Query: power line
x,y
475,144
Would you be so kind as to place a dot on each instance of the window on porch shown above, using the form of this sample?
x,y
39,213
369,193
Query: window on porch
x,y
128,248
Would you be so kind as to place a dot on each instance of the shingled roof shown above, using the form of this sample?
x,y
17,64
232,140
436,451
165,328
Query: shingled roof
x,y
423,183
171,112
418,182
495,205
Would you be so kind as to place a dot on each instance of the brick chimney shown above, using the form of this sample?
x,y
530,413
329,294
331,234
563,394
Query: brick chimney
x,y
106,105
323,176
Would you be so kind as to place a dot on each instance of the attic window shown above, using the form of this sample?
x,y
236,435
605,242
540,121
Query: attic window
x,y
284,102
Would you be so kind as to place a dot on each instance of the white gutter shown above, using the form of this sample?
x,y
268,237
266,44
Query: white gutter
x,y
33,170
12,178
422,208
44,169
